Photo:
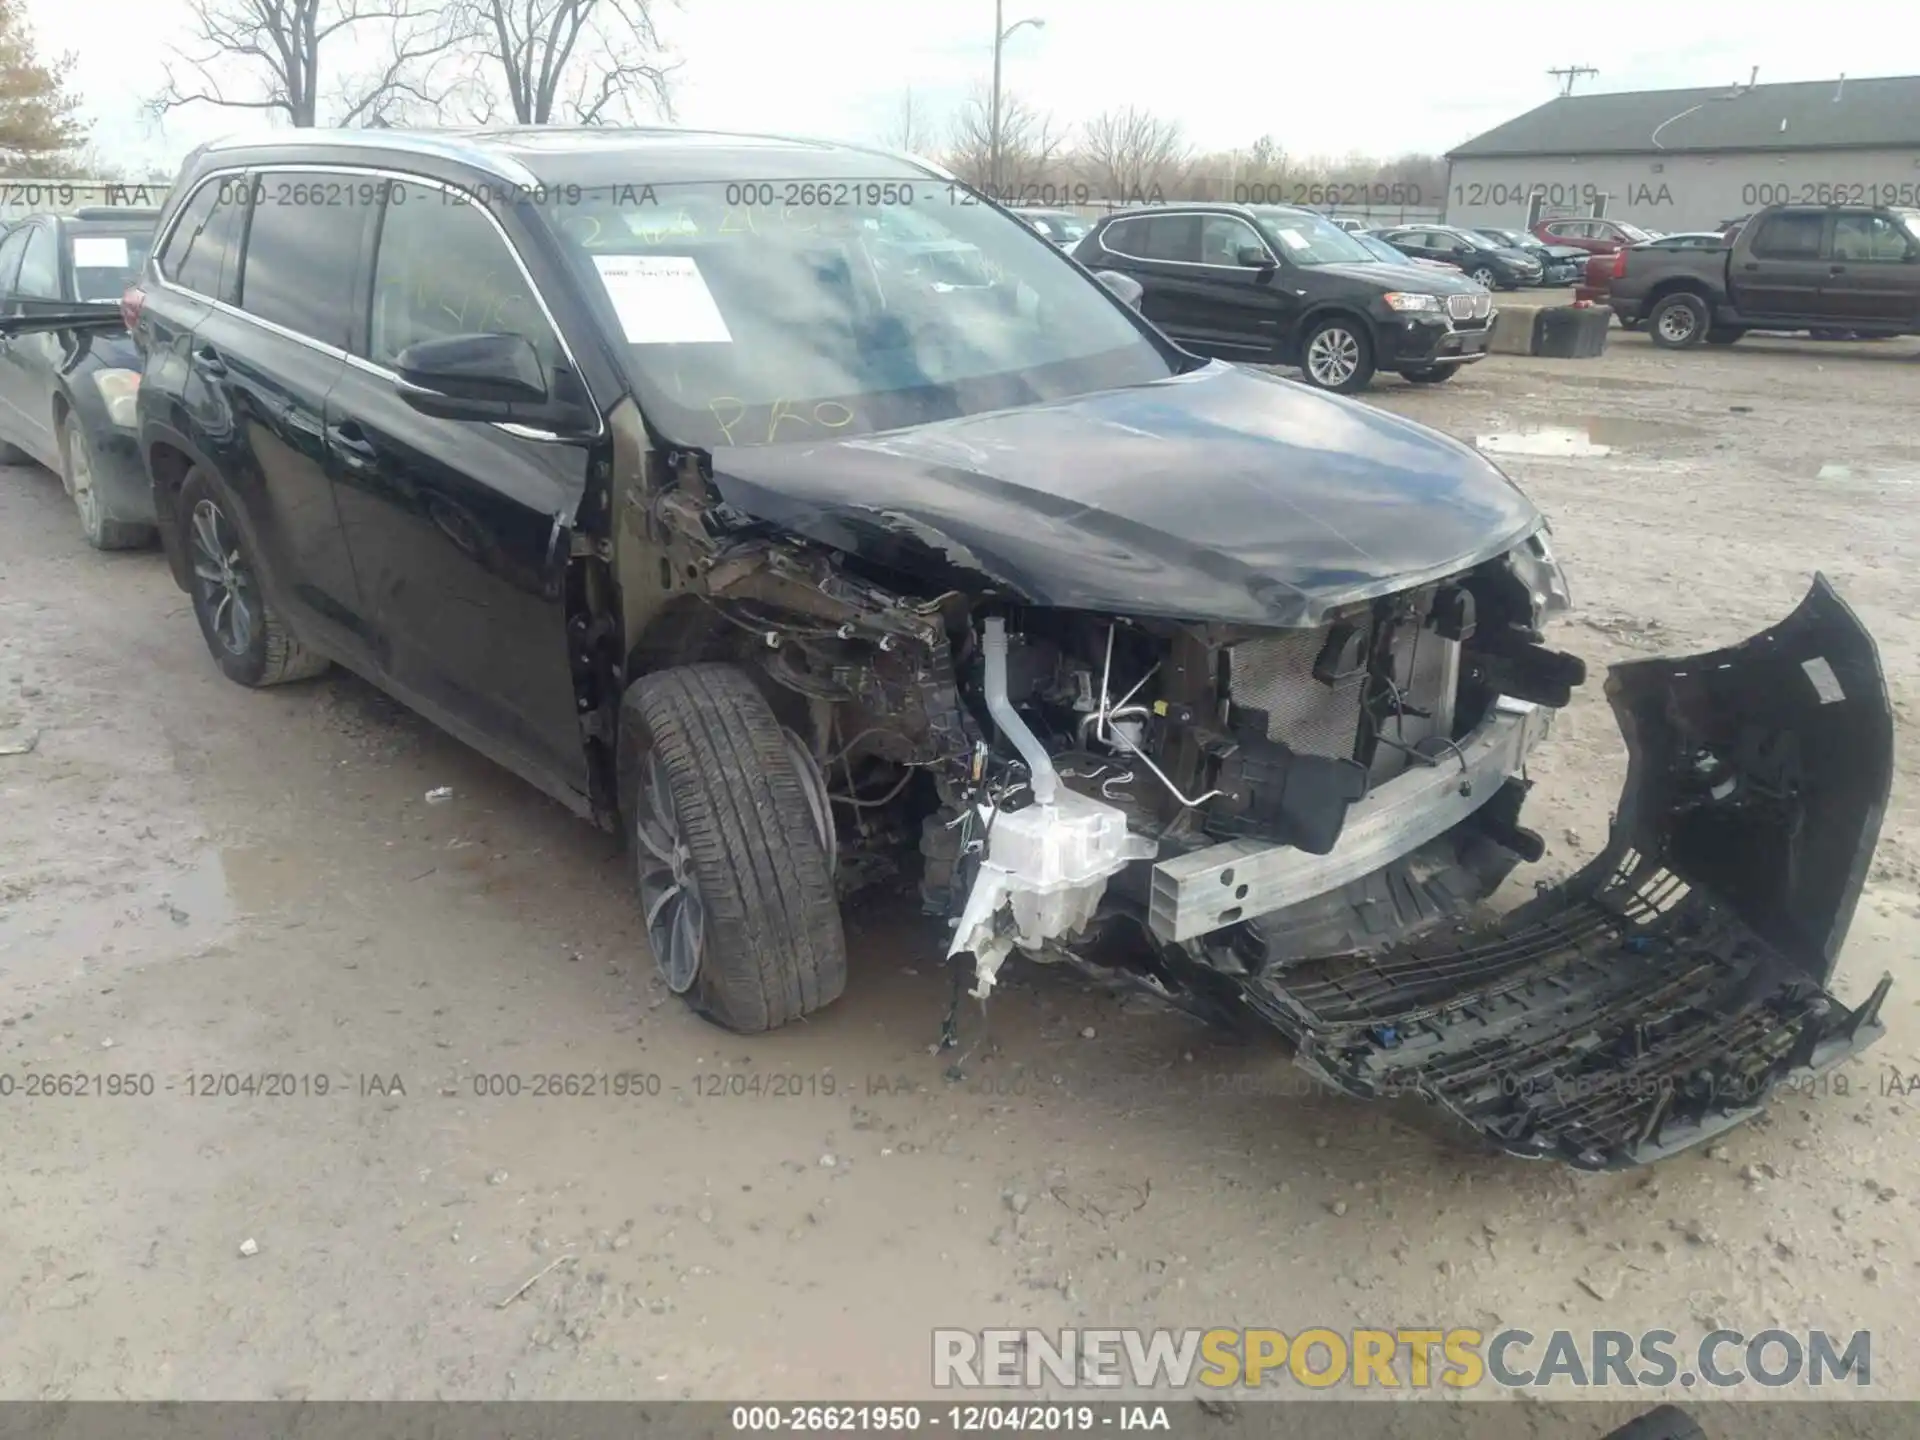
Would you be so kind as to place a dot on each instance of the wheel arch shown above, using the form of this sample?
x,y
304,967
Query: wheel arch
x,y
1325,310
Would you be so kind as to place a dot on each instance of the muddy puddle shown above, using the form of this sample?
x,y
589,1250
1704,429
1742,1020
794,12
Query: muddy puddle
x,y
1588,438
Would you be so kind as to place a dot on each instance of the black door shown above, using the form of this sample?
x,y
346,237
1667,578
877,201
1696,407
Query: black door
x,y
271,364
1871,272
27,362
460,530
1209,307
1782,273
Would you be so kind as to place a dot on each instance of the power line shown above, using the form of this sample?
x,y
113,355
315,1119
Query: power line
x,y
1571,73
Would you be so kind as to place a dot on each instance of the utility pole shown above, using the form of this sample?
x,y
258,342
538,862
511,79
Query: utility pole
x,y
1572,73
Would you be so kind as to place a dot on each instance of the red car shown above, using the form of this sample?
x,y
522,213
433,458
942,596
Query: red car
x,y
1598,237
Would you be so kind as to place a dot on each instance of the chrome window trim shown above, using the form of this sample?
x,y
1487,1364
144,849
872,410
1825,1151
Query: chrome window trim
x,y
360,361
423,146
1188,264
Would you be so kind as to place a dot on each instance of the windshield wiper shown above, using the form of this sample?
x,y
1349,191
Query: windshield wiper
x,y
62,315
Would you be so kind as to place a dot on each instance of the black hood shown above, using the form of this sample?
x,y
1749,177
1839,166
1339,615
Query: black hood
x,y
1224,494
1389,275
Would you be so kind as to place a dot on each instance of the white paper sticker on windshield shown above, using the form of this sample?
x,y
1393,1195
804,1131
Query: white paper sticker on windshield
x,y
662,300
1293,239
100,252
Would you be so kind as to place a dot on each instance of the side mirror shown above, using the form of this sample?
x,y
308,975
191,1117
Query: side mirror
x,y
1253,255
495,378
1126,287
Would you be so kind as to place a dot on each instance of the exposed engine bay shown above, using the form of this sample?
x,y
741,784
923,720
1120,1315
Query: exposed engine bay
x,y
1291,823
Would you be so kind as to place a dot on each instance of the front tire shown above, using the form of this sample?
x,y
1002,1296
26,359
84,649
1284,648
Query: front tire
x,y
732,866
245,635
1338,356
1679,322
1484,276
76,473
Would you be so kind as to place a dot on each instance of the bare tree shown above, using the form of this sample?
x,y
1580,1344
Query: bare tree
x,y
1131,154
909,128
271,53
1031,143
582,61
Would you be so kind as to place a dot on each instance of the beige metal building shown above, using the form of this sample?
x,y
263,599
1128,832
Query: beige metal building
x,y
1691,159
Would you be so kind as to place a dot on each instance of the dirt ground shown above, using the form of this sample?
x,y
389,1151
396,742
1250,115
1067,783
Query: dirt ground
x,y
197,881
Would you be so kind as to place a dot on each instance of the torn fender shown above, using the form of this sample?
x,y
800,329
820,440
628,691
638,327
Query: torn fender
x,y
1666,990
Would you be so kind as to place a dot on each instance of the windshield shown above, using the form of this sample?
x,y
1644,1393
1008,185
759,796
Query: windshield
x,y
1307,239
867,305
1473,241
106,260
1910,219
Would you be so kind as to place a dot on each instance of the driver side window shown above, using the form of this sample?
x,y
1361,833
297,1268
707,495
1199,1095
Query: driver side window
x,y
1223,237
442,269
40,267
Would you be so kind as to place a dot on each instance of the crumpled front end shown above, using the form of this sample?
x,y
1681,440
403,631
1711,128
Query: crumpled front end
x,y
1666,990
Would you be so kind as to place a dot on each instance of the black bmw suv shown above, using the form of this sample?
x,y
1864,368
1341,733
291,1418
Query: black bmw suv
x,y
660,468
1284,286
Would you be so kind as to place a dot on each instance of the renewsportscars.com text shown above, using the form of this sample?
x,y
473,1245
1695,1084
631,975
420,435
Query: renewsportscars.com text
x,y
1404,1358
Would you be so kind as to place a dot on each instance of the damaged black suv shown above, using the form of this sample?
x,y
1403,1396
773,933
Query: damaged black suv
x,y
660,467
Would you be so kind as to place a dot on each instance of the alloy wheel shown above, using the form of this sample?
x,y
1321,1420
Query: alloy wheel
x,y
1482,276
224,579
676,918
1333,356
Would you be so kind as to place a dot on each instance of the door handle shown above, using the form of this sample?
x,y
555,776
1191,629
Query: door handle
x,y
352,443
1836,269
208,362
1751,265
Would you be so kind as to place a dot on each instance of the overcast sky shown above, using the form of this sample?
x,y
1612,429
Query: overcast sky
x,y
1377,76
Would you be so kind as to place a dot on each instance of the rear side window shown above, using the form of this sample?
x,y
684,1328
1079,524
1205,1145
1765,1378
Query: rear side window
x,y
1791,235
1124,237
207,232
443,269
303,254
1172,237
40,266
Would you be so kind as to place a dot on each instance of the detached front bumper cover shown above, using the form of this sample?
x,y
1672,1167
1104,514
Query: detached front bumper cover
x,y
1663,992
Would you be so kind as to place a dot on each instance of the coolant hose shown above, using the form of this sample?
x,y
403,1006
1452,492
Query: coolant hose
x,y
1039,763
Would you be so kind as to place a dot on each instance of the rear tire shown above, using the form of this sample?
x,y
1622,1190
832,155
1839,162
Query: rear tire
x,y
1338,355
728,850
76,473
245,635
1678,322
1430,374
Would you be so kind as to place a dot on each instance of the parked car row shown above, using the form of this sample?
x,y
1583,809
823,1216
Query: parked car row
x,y
879,540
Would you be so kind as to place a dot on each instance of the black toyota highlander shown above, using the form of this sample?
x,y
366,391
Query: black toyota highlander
x,y
639,461
1277,285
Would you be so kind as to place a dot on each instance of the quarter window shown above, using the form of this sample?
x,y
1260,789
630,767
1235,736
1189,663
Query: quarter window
x,y
303,254
10,249
443,269
40,267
